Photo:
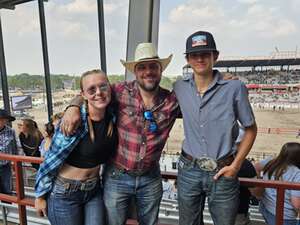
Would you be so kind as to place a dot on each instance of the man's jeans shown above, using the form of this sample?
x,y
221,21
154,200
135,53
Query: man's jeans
x,y
120,188
5,179
222,195
72,206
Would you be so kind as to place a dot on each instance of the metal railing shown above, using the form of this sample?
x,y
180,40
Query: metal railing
x,y
20,198
22,201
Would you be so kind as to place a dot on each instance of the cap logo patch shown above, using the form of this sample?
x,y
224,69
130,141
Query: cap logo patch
x,y
199,40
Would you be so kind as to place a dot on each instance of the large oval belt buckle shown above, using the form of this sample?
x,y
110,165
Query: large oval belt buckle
x,y
207,164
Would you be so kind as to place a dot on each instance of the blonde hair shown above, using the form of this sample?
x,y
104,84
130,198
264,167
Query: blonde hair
x,y
90,125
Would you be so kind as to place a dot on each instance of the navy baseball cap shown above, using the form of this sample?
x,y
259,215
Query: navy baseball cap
x,y
4,114
201,41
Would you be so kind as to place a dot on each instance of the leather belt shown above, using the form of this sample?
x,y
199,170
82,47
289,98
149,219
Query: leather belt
x,y
210,164
75,185
134,173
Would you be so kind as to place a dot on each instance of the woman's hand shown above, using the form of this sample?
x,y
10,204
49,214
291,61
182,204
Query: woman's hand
x,y
70,121
40,205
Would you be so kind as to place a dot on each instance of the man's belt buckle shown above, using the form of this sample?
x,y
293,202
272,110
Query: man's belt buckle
x,y
207,164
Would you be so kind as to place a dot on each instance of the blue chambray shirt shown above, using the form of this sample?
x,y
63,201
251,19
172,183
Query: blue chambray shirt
x,y
59,150
210,122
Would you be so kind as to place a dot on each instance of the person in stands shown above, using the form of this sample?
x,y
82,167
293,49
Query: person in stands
x,y
30,138
284,167
48,134
8,145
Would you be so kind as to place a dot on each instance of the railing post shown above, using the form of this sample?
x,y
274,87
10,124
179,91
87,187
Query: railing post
x,y
279,205
20,192
4,215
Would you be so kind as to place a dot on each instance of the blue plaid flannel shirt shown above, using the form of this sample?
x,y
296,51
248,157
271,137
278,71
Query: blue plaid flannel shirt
x,y
59,150
8,144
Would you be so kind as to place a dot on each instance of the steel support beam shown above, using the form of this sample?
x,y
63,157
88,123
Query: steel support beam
x,y
143,24
45,58
101,35
3,73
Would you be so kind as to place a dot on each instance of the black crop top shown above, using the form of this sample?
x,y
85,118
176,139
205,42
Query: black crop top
x,y
88,154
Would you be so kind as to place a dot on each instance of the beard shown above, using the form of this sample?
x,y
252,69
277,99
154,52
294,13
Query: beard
x,y
149,87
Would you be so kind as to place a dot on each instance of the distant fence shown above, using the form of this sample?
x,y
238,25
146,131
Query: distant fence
x,y
277,130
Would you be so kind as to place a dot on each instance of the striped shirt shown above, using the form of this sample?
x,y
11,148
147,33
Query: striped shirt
x,y
8,144
139,149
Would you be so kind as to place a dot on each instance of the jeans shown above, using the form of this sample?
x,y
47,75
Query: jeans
x,y
271,219
69,205
242,219
222,195
5,179
120,188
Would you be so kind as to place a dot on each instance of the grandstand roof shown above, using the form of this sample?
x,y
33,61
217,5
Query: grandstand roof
x,y
10,4
258,62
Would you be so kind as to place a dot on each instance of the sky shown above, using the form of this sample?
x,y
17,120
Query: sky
x,y
241,28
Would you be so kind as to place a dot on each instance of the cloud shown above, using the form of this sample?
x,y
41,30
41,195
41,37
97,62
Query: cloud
x,y
78,7
269,22
250,2
250,27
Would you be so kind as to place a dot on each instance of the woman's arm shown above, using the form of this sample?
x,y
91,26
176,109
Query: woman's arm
x,y
259,168
296,203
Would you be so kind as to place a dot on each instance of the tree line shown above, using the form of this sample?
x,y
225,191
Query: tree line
x,y
27,81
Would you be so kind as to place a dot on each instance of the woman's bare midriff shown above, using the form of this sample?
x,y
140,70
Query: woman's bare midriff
x,y
75,173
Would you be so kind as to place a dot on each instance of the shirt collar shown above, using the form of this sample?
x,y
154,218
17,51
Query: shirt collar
x,y
218,78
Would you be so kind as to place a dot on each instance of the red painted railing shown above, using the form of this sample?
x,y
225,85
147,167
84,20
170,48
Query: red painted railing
x,y
20,196
23,202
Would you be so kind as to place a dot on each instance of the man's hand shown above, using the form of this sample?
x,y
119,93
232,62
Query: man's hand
x,y
70,121
40,205
227,171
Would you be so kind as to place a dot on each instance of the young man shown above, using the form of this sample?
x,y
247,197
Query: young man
x,y
146,114
210,108
8,145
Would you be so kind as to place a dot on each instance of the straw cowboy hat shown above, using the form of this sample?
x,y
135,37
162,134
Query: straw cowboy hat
x,y
146,52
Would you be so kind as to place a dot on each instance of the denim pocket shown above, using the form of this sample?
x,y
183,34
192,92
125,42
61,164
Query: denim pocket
x,y
113,172
184,163
59,190
229,178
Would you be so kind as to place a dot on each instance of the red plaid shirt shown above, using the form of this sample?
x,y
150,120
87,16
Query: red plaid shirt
x,y
139,149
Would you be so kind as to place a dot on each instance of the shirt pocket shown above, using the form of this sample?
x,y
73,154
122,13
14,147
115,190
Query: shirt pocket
x,y
220,111
162,120
128,117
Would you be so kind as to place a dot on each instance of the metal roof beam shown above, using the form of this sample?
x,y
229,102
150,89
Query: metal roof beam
x,y
10,4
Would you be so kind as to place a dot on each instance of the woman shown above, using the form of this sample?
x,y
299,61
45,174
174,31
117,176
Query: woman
x,y
48,134
68,184
285,167
30,138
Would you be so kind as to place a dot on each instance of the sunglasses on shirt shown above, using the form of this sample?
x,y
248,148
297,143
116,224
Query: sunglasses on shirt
x,y
148,115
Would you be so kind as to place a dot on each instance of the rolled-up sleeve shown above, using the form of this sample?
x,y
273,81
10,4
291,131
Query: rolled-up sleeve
x,y
243,107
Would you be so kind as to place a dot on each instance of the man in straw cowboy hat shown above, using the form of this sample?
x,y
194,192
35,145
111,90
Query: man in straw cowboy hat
x,y
8,145
146,115
211,108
